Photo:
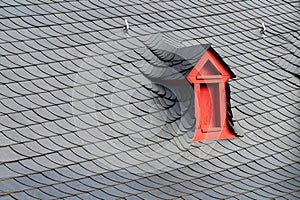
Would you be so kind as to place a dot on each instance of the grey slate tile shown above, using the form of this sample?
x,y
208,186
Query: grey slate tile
x,y
116,192
21,195
80,186
6,172
6,185
36,193
32,165
28,182
10,155
102,194
19,168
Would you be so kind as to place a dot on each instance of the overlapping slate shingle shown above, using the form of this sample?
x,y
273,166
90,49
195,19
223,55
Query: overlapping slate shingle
x,y
83,117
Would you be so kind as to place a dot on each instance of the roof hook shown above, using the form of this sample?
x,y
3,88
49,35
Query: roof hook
x,y
263,29
126,28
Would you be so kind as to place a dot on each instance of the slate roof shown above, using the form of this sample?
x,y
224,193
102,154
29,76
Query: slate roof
x,y
81,116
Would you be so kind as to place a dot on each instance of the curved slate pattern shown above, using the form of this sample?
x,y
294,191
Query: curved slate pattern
x,y
81,116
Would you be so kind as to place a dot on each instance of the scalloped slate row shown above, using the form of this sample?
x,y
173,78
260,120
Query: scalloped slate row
x,y
80,118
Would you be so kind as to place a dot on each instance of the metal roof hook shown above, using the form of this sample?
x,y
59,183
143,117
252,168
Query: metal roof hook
x,y
263,29
126,28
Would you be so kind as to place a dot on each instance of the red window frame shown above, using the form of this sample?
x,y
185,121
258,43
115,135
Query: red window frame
x,y
210,98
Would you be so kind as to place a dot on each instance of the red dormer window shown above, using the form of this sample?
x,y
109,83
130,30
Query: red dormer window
x,y
209,78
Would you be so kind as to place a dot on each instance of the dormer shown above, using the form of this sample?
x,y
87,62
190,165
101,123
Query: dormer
x,y
209,78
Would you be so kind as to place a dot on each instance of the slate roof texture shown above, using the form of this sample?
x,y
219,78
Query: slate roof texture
x,y
81,117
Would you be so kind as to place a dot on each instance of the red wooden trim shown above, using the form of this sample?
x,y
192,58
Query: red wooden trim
x,y
208,55
216,128
222,100
197,105
209,81
210,129
218,64
217,135
191,76
199,77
